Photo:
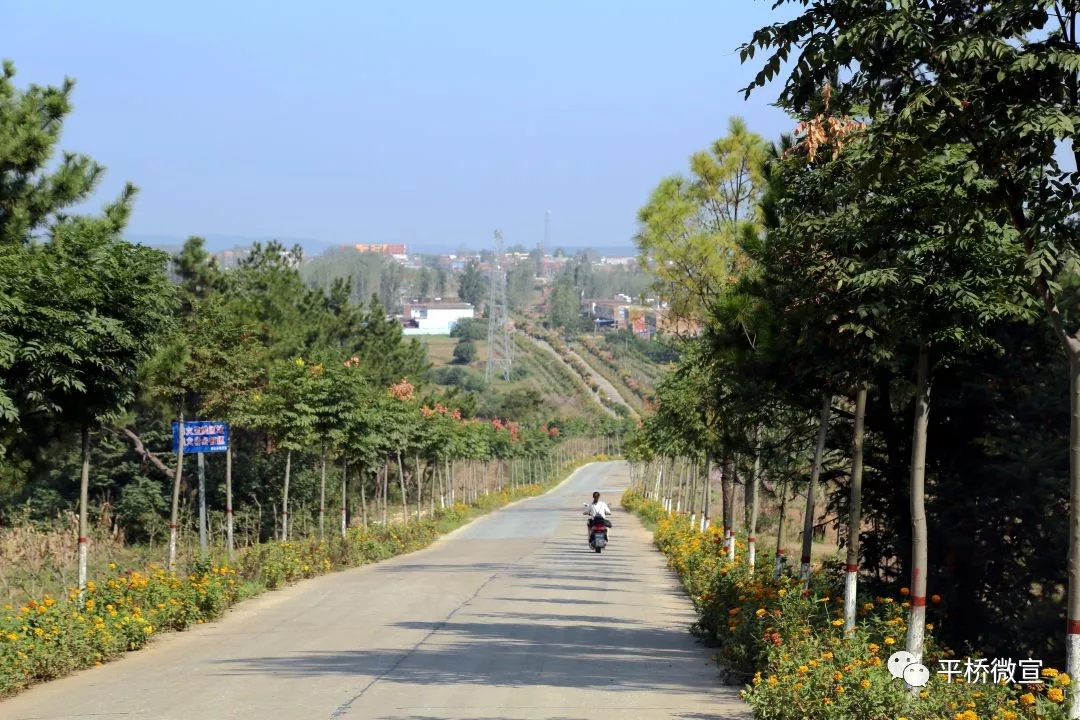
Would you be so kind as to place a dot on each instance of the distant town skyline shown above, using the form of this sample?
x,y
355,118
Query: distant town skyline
x,y
315,246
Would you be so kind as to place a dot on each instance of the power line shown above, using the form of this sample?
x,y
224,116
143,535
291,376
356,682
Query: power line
x,y
500,351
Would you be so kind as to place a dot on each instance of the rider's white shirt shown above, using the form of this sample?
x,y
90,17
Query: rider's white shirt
x,y
599,508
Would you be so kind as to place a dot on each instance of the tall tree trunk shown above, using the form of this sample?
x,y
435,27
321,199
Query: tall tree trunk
x,y
679,487
434,467
404,495
755,481
385,491
419,488
228,502
691,495
449,480
706,505
728,491
811,490
851,578
84,508
780,531
1072,646
322,500
345,496
201,464
362,477
285,499
177,477
917,620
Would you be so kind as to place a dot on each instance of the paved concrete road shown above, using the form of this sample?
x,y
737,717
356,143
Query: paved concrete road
x,y
510,618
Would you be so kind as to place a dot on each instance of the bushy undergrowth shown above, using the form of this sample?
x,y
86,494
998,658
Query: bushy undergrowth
x,y
49,638
790,643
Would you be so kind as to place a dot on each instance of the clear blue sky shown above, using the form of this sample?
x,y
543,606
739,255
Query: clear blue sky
x,y
405,121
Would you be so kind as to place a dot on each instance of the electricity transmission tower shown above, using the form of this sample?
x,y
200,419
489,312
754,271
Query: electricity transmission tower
x,y
500,353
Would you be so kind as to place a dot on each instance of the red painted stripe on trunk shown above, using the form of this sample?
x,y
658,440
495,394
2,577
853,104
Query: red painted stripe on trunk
x,y
853,568
751,539
172,527
917,601
228,511
84,540
1073,627
783,552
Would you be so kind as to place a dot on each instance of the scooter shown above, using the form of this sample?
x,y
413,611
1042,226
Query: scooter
x,y
598,528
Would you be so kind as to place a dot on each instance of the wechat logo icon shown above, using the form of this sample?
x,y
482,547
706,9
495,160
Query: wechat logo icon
x,y
902,665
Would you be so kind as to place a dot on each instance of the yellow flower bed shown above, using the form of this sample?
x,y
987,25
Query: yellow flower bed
x,y
46,639
790,644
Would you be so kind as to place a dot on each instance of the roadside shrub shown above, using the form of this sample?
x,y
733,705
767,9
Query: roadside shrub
x,y
789,642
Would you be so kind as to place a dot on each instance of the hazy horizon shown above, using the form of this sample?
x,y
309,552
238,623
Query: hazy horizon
x,y
419,122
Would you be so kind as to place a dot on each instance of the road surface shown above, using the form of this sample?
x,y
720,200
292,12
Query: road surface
x,y
509,618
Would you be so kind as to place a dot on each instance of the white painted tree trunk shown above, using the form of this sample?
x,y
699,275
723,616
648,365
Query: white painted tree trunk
x,y
917,620
679,488
84,509
404,494
755,480
177,477
1072,636
344,498
780,532
322,500
851,578
706,506
811,491
285,499
729,507
228,503
201,458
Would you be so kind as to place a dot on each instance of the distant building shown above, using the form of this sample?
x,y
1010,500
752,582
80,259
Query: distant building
x,y
228,259
434,318
619,261
618,314
397,251
660,321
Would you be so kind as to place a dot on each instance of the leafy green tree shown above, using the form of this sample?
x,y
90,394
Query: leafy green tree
x,y
286,412
693,230
383,352
99,308
464,352
440,281
333,394
472,285
520,282
474,329
423,285
565,306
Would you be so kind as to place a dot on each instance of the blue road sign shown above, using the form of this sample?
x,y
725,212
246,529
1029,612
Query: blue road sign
x,y
201,436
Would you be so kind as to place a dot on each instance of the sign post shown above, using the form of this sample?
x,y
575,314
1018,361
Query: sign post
x,y
203,436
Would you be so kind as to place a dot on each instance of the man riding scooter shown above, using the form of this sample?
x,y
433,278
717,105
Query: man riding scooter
x,y
598,508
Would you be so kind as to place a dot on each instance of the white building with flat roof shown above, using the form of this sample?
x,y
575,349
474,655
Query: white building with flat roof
x,y
434,318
